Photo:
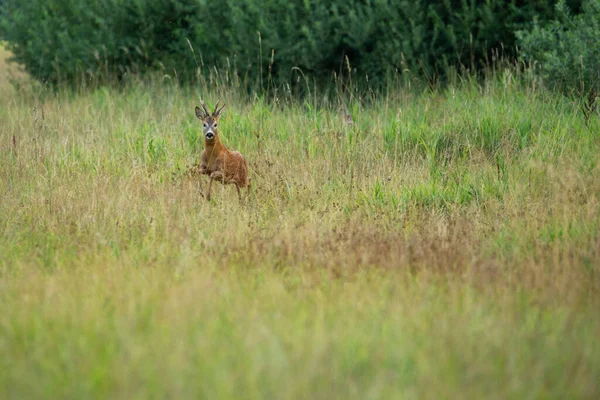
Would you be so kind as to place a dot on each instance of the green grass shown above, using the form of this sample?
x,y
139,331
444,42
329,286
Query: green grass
x,y
445,245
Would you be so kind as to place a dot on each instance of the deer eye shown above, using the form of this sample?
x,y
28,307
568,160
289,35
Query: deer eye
x,y
205,125
215,125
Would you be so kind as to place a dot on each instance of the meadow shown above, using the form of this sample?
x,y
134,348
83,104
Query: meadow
x,y
443,245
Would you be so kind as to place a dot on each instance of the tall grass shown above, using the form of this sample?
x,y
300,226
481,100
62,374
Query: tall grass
x,y
443,245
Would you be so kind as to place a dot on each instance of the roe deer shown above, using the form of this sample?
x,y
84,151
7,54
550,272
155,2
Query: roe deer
x,y
218,162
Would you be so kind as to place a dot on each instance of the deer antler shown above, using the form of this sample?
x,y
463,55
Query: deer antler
x,y
217,109
203,104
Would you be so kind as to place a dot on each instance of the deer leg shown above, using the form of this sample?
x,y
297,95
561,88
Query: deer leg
x,y
238,190
200,186
202,171
209,187
213,176
248,195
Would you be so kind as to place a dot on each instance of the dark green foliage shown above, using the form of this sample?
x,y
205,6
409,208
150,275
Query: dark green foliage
x,y
567,51
71,40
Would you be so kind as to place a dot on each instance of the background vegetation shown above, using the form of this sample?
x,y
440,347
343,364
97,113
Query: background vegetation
x,y
71,41
567,52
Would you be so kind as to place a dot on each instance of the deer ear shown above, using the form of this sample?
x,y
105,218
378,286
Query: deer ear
x,y
199,113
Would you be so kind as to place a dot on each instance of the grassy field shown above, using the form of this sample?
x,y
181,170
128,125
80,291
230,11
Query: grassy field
x,y
444,245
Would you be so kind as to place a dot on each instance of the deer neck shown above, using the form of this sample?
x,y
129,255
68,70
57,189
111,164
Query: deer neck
x,y
213,147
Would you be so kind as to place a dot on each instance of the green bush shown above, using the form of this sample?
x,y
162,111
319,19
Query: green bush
x,y
70,40
567,51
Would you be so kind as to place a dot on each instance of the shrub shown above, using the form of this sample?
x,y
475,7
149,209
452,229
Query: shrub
x,y
567,52
69,40
1,12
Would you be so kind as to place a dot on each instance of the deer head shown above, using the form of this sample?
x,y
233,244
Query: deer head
x,y
209,120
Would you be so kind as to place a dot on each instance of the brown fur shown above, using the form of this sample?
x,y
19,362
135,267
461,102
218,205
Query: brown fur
x,y
217,161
